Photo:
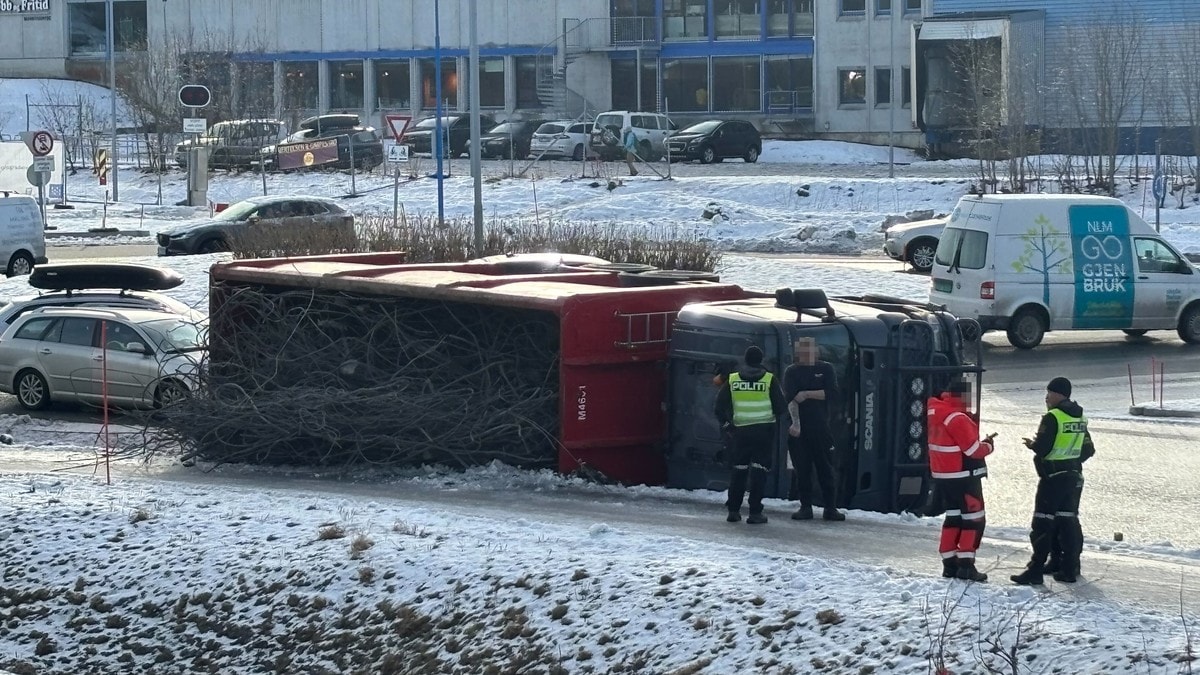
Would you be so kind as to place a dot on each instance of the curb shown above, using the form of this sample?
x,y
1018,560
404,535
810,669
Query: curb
x,y
97,235
1151,411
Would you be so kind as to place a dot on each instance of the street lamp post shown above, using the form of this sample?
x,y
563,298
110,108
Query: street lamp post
x,y
437,108
476,132
112,95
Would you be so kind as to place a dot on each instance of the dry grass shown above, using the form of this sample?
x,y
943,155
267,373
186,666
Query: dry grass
x,y
333,531
425,240
359,545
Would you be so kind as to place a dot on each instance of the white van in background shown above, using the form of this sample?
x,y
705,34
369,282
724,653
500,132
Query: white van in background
x,y
22,239
1028,264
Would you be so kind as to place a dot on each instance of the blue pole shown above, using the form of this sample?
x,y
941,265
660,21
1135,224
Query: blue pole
x,y
437,89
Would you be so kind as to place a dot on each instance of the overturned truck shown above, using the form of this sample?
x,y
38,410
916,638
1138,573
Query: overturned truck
x,y
549,362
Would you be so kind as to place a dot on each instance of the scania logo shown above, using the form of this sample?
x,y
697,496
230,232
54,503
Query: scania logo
x,y
869,422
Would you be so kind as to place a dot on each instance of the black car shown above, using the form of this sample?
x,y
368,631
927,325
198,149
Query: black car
x,y
714,140
347,129
509,140
455,128
297,214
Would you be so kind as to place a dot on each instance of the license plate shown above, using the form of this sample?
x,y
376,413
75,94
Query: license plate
x,y
943,285
162,250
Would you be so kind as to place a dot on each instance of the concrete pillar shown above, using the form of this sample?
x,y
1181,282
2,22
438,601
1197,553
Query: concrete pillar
x,y
323,87
277,84
414,87
370,99
510,84
461,66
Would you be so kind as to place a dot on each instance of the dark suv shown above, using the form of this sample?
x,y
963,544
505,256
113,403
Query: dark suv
x,y
233,144
509,140
342,128
714,140
455,128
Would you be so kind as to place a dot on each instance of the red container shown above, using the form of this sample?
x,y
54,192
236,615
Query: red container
x,y
614,340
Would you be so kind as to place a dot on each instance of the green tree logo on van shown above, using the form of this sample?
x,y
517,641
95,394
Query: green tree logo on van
x,y
1047,251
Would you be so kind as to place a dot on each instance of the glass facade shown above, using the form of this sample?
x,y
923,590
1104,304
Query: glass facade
x,y
346,85
789,83
685,85
789,18
527,81
735,83
449,84
625,82
392,84
685,19
491,82
300,85
737,19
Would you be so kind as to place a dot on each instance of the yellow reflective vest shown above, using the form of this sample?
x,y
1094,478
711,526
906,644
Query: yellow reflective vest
x,y
1068,442
751,400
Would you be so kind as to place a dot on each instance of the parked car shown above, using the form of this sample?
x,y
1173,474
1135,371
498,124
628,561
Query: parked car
x,y
297,214
713,140
455,128
22,238
346,129
914,243
564,138
509,140
138,358
651,129
234,144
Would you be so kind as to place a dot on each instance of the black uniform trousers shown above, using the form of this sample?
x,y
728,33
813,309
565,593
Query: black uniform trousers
x,y
751,460
1055,528
810,451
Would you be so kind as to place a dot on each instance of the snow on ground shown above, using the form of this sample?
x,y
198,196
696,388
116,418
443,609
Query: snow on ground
x,y
15,117
832,152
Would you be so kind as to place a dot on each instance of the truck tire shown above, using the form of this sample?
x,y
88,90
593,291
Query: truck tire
x,y
921,253
1189,325
1027,327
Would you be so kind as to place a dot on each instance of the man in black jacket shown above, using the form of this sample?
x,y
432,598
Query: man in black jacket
x,y
1060,448
747,405
810,387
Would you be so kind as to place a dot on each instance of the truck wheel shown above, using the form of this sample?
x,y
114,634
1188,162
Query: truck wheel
x,y
20,264
921,254
1028,327
1189,325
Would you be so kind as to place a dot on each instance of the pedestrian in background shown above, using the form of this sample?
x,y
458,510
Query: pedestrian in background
x,y
630,143
1060,448
748,404
810,385
957,463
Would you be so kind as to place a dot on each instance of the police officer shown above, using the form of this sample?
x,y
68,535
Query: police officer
x,y
1060,448
749,402
956,463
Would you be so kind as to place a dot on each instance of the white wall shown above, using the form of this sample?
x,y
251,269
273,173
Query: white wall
x,y
34,47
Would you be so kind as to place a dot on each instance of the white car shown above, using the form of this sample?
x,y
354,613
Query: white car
x,y
127,357
564,138
914,243
651,130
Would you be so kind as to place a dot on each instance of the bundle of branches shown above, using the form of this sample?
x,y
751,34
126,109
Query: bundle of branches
x,y
425,239
329,378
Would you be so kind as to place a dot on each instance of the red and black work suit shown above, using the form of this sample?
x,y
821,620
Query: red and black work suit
x,y
754,436
956,461
1060,448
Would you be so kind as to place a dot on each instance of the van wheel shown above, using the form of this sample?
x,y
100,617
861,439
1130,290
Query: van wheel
x,y
921,254
1028,327
1189,325
20,264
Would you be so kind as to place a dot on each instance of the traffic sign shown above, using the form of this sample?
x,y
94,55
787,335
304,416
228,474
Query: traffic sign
x,y
44,164
40,142
194,96
398,124
398,153
194,125
1160,186
37,178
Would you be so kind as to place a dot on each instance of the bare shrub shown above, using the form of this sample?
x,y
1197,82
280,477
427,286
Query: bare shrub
x,y
333,531
360,544
140,514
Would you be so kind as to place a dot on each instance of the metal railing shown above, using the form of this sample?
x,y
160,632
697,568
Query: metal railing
x,y
790,100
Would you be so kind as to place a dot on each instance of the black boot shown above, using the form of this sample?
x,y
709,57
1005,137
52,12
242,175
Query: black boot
x,y
833,514
1032,576
967,571
1052,565
756,519
733,517
804,513
949,568
1065,576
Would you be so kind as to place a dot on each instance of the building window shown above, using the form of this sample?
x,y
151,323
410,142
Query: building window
x,y
449,84
633,21
852,86
346,85
737,19
883,86
787,18
883,7
527,80
685,85
906,86
735,84
912,6
685,19
853,7
625,83
300,85
392,82
256,89
88,27
491,83
789,83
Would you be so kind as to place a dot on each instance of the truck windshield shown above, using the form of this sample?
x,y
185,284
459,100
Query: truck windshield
x,y
962,249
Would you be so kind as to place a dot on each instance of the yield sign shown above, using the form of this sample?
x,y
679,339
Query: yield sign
x,y
398,124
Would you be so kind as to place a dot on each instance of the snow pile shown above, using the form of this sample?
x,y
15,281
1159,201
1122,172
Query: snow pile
x,y
95,101
832,152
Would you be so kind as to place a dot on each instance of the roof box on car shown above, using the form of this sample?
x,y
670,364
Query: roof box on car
x,y
339,121
125,276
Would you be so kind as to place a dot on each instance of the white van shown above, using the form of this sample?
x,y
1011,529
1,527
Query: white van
x,y
22,239
1028,264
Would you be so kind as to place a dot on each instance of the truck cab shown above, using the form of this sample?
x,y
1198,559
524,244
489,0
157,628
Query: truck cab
x,y
888,355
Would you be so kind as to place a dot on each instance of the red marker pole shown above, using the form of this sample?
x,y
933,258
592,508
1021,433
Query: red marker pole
x,y
1162,367
104,397
1129,369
